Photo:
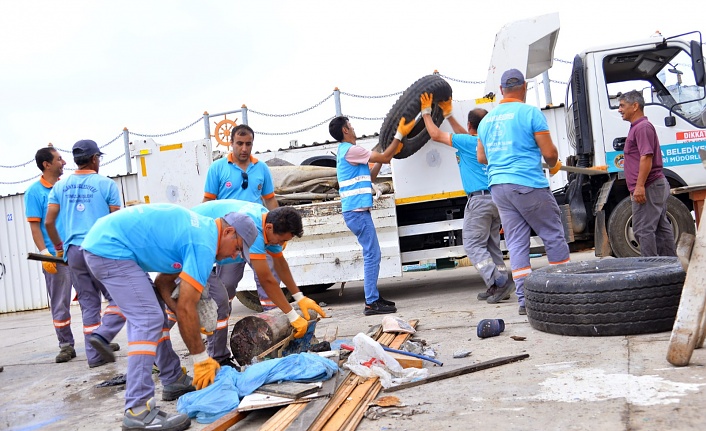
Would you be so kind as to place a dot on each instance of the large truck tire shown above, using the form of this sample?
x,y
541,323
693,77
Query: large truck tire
x,y
621,296
621,237
409,107
251,300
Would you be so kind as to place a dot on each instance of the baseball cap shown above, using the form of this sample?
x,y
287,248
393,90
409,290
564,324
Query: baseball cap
x,y
245,228
85,147
512,78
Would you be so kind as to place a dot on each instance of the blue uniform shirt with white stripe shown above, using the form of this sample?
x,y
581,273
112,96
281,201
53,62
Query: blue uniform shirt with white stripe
x,y
354,182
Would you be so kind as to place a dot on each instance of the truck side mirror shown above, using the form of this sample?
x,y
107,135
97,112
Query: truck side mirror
x,y
619,144
697,62
670,121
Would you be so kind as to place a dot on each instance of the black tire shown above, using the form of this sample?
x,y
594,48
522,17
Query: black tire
x,y
251,300
409,107
620,234
313,289
622,296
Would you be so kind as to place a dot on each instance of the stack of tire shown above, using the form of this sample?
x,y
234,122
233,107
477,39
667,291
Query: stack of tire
x,y
623,296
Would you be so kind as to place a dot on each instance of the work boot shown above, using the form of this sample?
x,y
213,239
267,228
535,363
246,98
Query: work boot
x,y
152,418
502,293
102,347
114,346
378,307
522,311
180,387
487,294
66,354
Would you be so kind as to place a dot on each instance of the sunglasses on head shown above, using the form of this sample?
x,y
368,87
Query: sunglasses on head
x,y
244,185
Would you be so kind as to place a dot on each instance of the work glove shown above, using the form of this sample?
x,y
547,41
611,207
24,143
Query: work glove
x,y
376,194
49,267
446,107
306,304
298,323
205,369
403,129
553,170
426,99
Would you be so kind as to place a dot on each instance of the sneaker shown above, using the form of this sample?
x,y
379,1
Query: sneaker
x,y
385,301
487,294
181,386
102,347
114,346
522,310
378,307
152,418
229,362
501,293
66,354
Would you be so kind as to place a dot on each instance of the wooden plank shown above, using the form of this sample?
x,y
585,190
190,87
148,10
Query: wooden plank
x,y
460,371
280,422
687,330
227,421
340,418
292,390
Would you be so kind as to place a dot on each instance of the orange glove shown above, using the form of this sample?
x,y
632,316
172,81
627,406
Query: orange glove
x,y
204,370
446,107
49,267
306,304
553,170
298,323
403,128
426,99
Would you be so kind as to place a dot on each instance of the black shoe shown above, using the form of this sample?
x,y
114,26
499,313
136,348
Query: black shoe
x,y
102,347
378,307
229,362
502,293
385,301
522,311
487,294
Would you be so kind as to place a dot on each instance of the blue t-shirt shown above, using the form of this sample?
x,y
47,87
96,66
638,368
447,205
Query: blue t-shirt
x,y
163,238
508,137
83,198
474,175
255,211
36,202
224,180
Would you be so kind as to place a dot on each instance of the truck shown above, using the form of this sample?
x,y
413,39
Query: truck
x,y
421,221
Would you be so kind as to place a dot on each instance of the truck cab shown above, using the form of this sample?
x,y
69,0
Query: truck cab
x,y
670,74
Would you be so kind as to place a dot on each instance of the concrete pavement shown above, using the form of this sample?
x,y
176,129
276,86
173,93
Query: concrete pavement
x,y
567,383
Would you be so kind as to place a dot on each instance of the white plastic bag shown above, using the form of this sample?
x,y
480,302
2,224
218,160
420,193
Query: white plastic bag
x,y
370,360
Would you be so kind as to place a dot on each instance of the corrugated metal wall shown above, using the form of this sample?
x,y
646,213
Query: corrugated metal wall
x,y
22,284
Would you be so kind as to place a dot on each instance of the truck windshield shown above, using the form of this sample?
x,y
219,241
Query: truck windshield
x,y
664,76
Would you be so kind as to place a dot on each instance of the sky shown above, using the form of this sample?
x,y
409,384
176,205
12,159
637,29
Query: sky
x,y
80,69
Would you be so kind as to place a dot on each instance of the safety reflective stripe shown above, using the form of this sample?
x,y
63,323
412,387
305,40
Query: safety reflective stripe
x,y
521,272
142,348
346,183
113,309
62,323
222,324
267,303
354,192
165,335
483,263
559,263
88,329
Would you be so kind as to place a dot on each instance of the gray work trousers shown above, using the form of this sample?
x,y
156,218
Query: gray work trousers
x,y
481,239
522,210
649,221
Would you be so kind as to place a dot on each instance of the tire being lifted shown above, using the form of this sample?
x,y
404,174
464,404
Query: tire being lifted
x,y
409,106
623,296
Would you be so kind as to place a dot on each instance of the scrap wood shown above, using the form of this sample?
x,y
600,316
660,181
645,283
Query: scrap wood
x,y
284,418
226,421
292,390
460,371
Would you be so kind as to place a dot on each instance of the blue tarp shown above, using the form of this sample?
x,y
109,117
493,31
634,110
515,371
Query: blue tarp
x,y
230,386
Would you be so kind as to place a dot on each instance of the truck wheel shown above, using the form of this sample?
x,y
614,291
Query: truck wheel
x,y
623,296
409,107
620,234
250,299
313,289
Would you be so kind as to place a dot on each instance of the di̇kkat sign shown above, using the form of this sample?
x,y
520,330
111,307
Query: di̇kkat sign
x,y
685,151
